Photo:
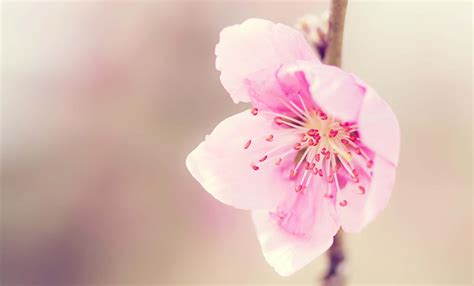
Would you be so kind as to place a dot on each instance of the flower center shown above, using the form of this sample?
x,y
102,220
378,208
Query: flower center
x,y
324,148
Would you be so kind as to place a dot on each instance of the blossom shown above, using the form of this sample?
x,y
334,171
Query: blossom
x,y
317,151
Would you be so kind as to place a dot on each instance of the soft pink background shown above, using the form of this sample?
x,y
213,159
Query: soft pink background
x,y
102,102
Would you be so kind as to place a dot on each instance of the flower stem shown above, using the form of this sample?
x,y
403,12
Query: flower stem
x,y
334,275
335,32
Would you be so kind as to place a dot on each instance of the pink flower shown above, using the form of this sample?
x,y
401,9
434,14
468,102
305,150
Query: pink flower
x,y
317,151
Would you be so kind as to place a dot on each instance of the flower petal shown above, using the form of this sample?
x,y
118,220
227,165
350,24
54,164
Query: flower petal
x,y
223,166
363,201
335,91
284,246
254,45
278,89
378,127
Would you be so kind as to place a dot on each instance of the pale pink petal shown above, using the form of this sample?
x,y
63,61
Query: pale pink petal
x,y
223,166
254,45
359,203
336,92
291,243
277,89
378,127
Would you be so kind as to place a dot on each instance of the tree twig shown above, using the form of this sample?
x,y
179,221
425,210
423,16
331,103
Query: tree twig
x,y
335,33
335,275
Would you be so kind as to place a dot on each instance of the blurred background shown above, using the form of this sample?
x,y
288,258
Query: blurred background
x,y
102,102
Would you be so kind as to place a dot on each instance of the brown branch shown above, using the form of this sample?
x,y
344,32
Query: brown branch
x,y
335,33
334,275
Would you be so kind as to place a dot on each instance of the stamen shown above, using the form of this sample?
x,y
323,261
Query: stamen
x,y
315,171
370,163
299,109
346,166
302,158
255,167
336,180
279,121
333,133
293,173
285,117
293,110
325,144
247,145
297,146
302,103
323,116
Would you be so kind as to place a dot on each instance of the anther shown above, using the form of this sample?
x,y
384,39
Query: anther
x,y
330,178
255,167
312,132
278,120
297,146
318,157
263,158
333,133
343,203
298,188
269,138
355,172
247,145
254,111
278,162
344,141
370,163
293,173
327,155
362,190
